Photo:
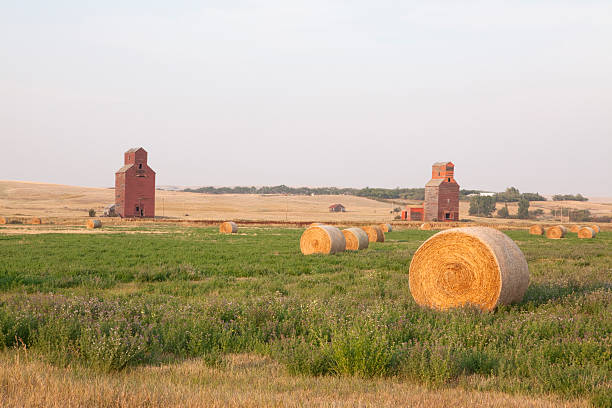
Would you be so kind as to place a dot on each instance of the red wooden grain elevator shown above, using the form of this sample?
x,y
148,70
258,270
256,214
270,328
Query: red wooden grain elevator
x,y
135,186
442,194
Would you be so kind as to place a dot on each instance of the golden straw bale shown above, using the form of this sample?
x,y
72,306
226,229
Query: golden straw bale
x,y
386,227
556,232
322,239
595,228
427,226
477,266
356,239
587,232
91,224
574,228
228,227
35,221
536,230
3,220
375,233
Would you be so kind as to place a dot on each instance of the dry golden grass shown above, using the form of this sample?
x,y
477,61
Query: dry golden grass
x,y
245,381
25,199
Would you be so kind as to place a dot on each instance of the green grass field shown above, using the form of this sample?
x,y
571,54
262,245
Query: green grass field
x,y
106,302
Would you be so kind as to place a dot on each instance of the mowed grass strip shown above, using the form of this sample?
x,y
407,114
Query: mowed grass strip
x,y
110,302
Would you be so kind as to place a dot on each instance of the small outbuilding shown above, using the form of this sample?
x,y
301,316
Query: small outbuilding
x,y
413,213
109,211
337,208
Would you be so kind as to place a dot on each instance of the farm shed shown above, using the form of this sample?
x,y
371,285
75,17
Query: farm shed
x,y
413,213
337,208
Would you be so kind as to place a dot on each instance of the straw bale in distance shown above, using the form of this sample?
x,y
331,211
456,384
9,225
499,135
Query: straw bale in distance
x,y
356,239
536,230
586,232
595,228
477,266
556,232
426,226
375,233
315,224
228,227
91,224
322,239
35,221
574,228
3,220
386,227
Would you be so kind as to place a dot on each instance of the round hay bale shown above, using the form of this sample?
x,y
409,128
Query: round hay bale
x,y
587,232
595,228
477,266
228,227
356,239
35,221
556,232
536,230
91,224
427,226
322,239
386,227
3,220
575,228
315,224
375,233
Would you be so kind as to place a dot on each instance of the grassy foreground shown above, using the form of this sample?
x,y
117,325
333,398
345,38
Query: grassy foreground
x,y
111,307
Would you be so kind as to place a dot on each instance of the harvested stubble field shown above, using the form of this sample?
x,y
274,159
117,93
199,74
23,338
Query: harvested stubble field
x,y
195,318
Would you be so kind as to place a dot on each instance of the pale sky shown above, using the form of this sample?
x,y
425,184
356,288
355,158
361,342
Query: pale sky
x,y
310,93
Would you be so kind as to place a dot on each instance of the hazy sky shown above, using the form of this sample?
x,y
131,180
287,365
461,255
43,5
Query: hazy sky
x,y
314,92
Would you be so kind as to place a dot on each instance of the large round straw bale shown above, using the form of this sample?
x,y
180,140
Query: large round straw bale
x,y
477,266
556,232
427,226
35,221
375,233
91,224
574,228
356,239
386,227
536,230
322,239
3,220
595,228
228,227
586,232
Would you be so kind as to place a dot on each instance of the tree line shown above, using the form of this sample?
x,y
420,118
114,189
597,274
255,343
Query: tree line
x,y
368,192
485,206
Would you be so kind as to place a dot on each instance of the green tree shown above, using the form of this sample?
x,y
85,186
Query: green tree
x,y
503,212
523,208
482,206
511,194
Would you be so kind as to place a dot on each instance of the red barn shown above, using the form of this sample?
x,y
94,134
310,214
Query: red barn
x,y
135,186
442,194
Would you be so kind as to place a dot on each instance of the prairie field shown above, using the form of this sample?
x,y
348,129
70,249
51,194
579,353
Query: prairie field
x,y
186,316
52,201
